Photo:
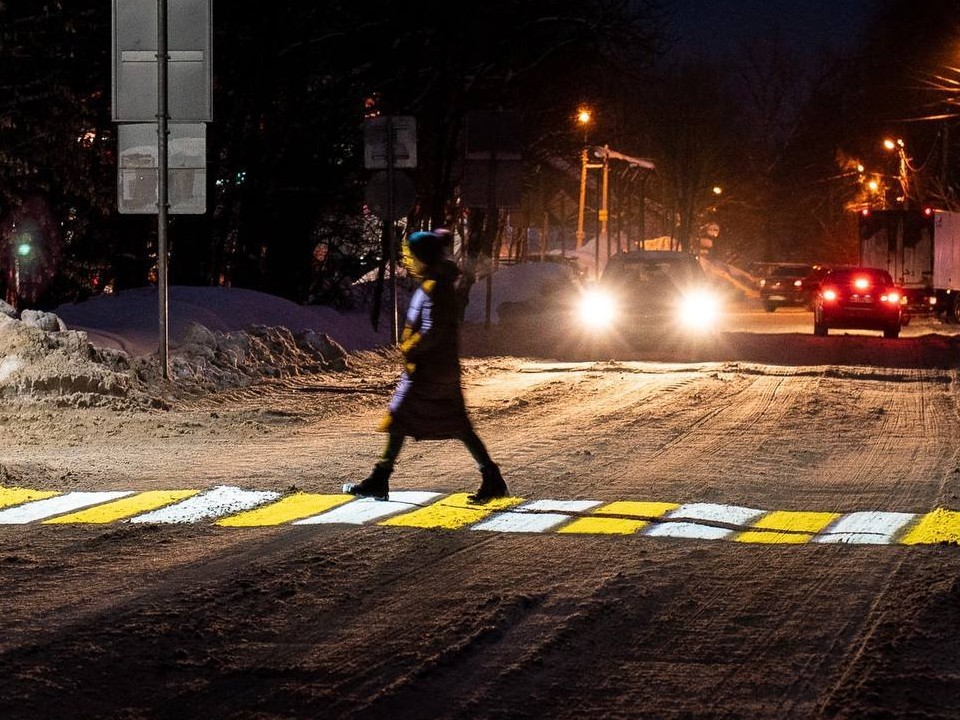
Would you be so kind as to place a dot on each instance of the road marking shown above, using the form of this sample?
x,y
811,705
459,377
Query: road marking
x,y
623,522
124,508
451,513
42,509
869,528
293,507
229,506
702,514
214,503
536,516
366,510
18,495
783,526
939,526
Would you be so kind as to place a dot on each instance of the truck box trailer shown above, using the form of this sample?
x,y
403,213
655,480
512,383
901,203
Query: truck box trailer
x,y
921,250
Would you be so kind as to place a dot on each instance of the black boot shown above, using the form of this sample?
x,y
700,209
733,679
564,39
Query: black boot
x,y
376,486
491,487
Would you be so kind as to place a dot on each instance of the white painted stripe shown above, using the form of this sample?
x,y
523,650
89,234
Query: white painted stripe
x,y
709,512
41,509
367,510
216,502
536,516
868,528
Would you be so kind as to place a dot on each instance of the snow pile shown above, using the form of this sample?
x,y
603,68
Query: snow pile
x,y
215,345
61,366
210,361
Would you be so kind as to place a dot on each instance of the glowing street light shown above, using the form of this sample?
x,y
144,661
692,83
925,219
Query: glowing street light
x,y
904,167
584,118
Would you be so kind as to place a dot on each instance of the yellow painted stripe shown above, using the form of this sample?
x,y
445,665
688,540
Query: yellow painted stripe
x,y
451,513
17,495
785,526
627,522
288,509
124,507
939,526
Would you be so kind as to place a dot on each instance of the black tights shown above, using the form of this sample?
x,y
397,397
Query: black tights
x,y
469,438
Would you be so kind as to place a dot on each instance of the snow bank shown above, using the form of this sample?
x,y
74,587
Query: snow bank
x,y
64,368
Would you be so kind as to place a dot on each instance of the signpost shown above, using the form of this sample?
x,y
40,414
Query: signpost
x,y
151,45
389,143
493,174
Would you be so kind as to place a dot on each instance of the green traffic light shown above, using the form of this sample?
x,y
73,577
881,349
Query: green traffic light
x,y
24,248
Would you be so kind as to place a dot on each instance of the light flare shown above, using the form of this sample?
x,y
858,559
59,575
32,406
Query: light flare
x,y
597,309
699,310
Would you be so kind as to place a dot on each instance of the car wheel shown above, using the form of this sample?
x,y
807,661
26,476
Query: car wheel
x,y
892,332
953,312
769,306
820,329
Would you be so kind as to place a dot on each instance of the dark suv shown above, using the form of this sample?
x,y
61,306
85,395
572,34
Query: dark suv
x,y
658,290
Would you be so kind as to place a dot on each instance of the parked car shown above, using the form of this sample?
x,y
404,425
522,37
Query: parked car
x,y
783,286
859,298
652,289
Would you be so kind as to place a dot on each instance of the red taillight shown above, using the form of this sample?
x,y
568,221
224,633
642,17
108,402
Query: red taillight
x,y
829,295
861,284
891,296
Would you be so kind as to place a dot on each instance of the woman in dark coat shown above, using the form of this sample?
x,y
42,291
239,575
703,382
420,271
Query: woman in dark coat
x,y
428,402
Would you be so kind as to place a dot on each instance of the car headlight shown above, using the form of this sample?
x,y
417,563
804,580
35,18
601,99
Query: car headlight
x,y
597,309
699,310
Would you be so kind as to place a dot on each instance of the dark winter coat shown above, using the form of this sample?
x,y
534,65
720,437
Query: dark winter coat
x,y
428,402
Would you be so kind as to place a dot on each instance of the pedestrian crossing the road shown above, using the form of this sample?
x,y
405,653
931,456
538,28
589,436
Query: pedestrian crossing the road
x,y
235,507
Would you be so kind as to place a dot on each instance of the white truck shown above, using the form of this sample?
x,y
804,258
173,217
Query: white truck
x,y
921,250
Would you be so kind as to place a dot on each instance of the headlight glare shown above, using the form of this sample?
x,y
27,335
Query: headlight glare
x,y
597,309
699,310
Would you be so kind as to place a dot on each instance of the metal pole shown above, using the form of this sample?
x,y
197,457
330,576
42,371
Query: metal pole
x,y
583,197
162,187
643,211
604,208
391,239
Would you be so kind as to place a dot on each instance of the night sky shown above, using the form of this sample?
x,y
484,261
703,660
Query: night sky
x,y
715,28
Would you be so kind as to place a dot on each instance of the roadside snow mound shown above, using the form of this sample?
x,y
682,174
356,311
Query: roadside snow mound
x,y
37,365
62,367
208,361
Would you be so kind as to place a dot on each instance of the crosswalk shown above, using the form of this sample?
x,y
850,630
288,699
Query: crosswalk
x,y
235,507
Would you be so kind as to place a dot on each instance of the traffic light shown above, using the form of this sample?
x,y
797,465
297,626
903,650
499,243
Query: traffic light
x,y
24,245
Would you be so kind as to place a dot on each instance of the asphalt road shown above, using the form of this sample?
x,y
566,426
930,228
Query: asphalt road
x,y
718,536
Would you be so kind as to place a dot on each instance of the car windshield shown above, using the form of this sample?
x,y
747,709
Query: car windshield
x,y
846,277
790,271
653,274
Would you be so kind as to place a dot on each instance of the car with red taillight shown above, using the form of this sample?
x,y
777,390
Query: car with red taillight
x,y
859,298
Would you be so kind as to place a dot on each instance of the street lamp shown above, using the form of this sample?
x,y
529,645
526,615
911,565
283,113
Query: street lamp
x,y
904,166
584,118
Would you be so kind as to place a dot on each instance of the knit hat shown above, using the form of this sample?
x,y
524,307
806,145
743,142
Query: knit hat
x,y
427,247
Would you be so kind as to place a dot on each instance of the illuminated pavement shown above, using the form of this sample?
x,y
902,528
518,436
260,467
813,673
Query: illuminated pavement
x,y
235,507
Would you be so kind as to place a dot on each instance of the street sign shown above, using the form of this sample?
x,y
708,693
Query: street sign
x,y
404,131
377,196
493,133
135,61
499,182
138,169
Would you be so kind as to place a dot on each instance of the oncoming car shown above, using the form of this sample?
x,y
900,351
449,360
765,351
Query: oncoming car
x,y
783,285
652,290
859,298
